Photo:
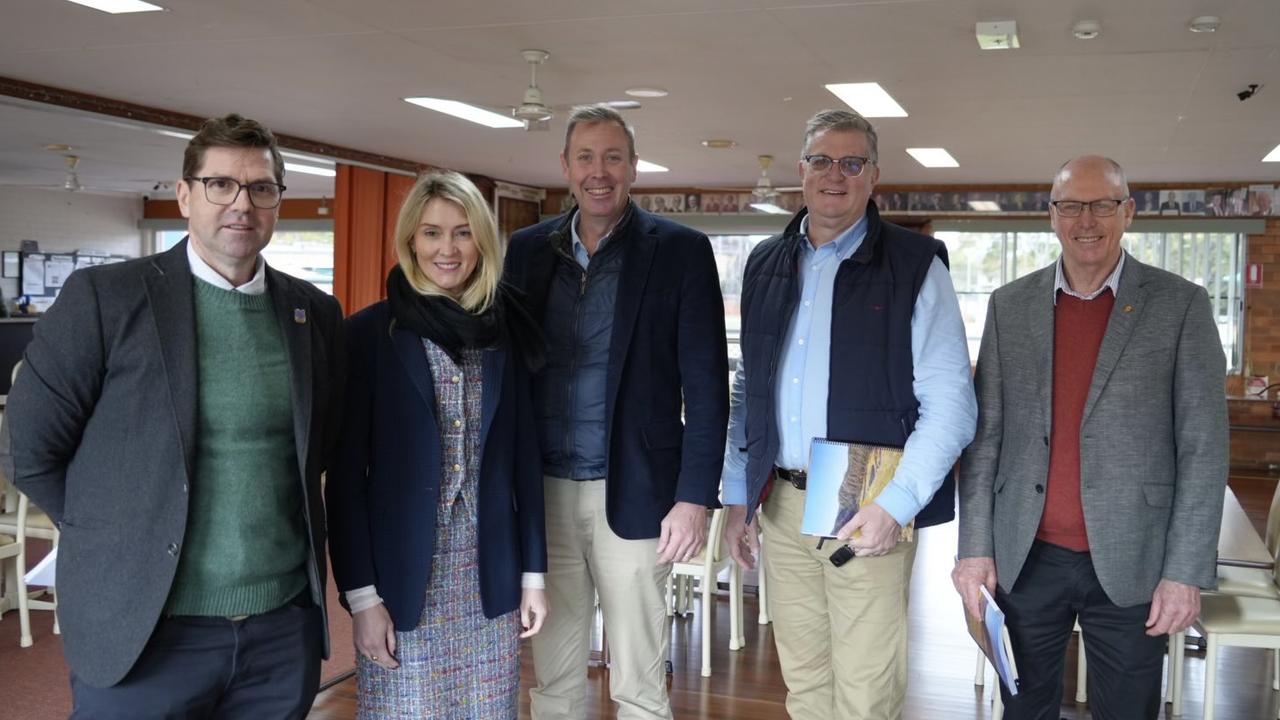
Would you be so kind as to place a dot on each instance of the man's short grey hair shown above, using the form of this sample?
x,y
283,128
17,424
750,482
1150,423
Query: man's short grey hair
x,y
599,113
1113,169
841,121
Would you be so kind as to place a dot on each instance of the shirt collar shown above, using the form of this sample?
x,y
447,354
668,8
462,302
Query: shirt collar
x,y
1112,283
256,285
845,244
577,241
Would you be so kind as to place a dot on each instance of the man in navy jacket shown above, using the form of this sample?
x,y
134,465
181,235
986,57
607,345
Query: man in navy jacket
x,y
632,310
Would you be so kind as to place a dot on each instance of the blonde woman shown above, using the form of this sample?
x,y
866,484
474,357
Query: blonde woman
x,y
435,501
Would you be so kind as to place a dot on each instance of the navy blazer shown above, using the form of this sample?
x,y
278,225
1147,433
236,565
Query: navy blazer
x,y
383,491
667,353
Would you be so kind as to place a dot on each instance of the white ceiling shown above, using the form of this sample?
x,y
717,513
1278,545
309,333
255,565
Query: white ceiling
x,y
1158,98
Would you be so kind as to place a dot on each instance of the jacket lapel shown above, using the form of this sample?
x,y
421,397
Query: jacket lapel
x,y
1124,317
170,289
640,250
413,358
1040,316
293,313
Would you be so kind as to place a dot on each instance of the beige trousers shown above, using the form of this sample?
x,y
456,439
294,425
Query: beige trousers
x,y
585,558
841,632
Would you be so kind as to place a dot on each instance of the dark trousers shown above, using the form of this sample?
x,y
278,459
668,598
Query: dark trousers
x,y
265,667
1056,586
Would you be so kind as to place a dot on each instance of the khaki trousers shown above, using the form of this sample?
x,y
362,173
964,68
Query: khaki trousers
x,y
585,558
841,632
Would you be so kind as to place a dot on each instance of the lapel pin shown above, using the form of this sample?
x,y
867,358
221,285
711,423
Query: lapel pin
x,y
1128,308
300,315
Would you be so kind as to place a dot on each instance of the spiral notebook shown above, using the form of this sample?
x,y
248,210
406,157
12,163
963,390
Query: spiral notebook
x,y
992,636
843,477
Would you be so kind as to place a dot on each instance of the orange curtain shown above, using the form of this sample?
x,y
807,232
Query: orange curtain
x,y
364,223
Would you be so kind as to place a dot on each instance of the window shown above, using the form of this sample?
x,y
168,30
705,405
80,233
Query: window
x,y
983,261
304,254
731,253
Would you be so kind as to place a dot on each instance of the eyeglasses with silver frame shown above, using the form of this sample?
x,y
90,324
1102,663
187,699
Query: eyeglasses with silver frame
x,y
850,166
224,191
1098,208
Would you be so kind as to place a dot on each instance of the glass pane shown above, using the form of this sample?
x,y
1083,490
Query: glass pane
x,y
731,253
304,255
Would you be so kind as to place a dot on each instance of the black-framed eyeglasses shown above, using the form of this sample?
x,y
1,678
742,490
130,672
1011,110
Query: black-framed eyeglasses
x,y
1098,208
224,191
851,166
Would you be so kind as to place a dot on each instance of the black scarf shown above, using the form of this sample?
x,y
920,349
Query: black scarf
x,y
505,325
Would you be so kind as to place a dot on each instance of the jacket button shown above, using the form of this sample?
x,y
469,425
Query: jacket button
x,y
1046,439
173,548
1040,488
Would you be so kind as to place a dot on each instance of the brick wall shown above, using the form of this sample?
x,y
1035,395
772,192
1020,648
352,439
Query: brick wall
x,y
1256,447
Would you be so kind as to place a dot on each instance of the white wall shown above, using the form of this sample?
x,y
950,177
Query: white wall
x,y
66,222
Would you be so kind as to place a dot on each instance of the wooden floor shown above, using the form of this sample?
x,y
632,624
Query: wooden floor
x,y
747,684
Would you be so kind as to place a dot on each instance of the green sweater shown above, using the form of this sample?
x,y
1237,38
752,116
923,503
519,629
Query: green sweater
x,y
245,549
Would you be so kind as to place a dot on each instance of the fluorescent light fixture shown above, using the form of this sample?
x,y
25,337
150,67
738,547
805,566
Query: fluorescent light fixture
x,y
310,170
177,134
308,158
768,208
470,113
117,7
646,166
933,157
647,91
984,206
869,99
1273,156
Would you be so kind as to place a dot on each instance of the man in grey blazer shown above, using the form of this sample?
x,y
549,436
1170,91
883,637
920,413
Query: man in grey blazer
x,y
1094,486
173,416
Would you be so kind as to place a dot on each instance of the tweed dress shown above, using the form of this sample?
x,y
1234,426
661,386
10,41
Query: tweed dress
x,y
457,664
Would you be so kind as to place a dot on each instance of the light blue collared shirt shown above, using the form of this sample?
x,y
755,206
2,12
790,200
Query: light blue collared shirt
x,y
1112,283
942,382
579,250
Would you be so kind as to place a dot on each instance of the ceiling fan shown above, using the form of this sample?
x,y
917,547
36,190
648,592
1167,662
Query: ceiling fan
x,y
533,109
71,179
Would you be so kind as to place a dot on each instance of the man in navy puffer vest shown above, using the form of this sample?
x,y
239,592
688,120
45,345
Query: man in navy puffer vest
x,y
851,331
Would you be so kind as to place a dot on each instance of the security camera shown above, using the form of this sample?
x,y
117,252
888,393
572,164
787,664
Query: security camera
x,y
1246,94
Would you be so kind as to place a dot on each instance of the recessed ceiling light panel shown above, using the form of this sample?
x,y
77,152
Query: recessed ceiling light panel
x,y
1273,156
646,166
869,99
719,143
463,111
933,157
118,7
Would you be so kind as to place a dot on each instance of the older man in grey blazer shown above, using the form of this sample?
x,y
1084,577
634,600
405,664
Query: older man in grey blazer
x,y
1094,486
172,417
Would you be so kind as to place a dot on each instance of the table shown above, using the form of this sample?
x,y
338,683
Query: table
x,y
1238,543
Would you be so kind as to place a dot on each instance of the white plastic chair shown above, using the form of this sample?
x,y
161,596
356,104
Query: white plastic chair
x,y
705,567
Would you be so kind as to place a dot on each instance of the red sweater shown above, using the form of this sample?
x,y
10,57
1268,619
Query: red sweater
x,y
1078,327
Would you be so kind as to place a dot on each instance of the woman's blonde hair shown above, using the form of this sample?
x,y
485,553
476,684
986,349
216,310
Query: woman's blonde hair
x,y
482,286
